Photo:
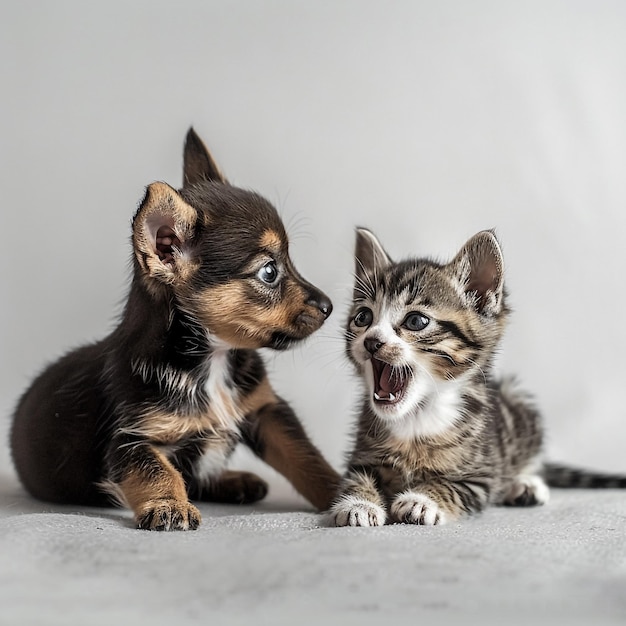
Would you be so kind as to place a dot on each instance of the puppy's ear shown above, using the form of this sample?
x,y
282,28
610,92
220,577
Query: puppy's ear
x,y
369,257
479,267
163,231
198,164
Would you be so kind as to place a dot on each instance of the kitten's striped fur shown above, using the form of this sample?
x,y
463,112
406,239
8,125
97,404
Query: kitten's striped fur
x,y
438,437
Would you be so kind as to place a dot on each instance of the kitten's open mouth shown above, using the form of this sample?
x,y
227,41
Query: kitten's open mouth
x,y
389,382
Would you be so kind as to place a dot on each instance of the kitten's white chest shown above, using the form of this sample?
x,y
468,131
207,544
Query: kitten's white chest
x,y
434,417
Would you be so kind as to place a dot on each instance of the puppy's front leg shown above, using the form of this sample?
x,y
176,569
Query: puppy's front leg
x,y
274,433
150,485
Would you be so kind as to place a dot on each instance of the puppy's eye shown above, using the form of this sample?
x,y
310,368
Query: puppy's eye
x,y
363,317
415,322
268,273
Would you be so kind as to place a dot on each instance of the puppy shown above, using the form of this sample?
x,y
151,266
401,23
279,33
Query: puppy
x,y
150,415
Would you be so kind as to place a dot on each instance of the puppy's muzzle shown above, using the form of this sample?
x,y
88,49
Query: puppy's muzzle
x,y
317,308
321,302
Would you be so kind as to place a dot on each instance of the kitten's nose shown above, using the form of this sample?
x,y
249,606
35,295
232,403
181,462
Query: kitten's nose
x,y
373,344
321,302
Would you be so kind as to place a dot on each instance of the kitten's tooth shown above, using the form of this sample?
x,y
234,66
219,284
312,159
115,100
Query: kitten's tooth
x,y
376,396
392,397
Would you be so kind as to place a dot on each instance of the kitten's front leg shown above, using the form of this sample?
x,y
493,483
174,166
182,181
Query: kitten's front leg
x,y
359,503
415,507
440,501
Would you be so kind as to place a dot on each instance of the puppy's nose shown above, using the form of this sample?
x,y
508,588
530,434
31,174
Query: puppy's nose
x,y
373,344
321,303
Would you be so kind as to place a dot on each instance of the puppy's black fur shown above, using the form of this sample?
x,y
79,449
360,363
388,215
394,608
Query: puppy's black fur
x,y
150,414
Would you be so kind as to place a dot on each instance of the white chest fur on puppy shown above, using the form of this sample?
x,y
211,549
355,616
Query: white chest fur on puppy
x,y
224,407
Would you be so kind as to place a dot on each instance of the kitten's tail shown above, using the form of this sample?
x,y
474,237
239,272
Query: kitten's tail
x,y
574,478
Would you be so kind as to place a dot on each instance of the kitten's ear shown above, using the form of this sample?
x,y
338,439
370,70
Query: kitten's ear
x,y
479,267
369,257
198,164
163,229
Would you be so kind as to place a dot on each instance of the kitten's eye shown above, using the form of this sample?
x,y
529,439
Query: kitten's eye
x,y
363,317
416,321
268,273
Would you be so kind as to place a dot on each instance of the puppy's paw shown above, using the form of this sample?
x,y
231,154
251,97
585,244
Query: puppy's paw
x,y
232,487
353,511
248,487
527,490
412,507
168,514
240,488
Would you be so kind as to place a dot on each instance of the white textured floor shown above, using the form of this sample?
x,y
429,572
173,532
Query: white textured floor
x,y
563,563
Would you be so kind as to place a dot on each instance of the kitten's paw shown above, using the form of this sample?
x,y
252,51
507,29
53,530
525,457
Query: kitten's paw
x,y
527,490
168,514
353,511
412,507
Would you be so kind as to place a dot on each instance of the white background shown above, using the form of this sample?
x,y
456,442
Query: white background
x,y
425,121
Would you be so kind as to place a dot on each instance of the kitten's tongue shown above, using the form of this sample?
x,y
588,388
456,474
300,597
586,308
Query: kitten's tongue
x,y
387,383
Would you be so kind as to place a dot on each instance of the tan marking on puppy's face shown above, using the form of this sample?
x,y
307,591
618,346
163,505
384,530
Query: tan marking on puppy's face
x,y
231,315
246,314
270,240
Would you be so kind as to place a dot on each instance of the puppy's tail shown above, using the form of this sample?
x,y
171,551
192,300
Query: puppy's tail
x,y
565,477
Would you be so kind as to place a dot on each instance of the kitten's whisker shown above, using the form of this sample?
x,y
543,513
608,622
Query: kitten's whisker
x,y
475,363
363,289
369,288
425,369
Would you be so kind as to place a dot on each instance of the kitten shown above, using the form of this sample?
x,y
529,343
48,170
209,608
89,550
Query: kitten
x,y
438,437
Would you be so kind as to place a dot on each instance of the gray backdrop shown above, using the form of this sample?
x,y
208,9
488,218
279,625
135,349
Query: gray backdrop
x,y
423,121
